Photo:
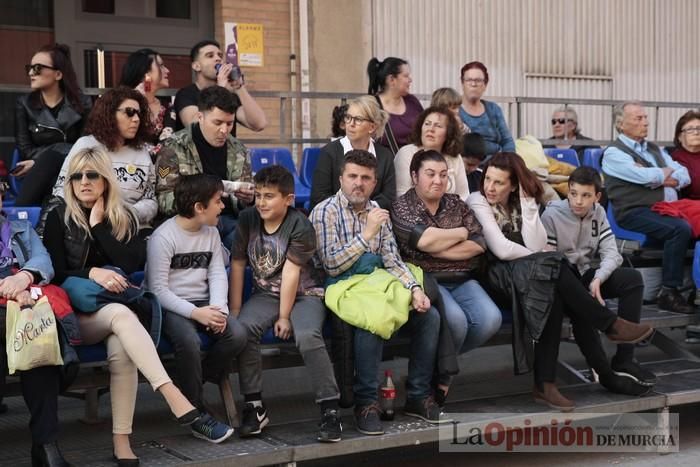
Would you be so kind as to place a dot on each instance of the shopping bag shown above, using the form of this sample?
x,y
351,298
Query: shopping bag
x,y
31,336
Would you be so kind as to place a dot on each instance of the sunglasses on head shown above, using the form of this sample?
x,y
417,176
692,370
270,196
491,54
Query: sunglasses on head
x,y
78,176
130,111
561,121
36,68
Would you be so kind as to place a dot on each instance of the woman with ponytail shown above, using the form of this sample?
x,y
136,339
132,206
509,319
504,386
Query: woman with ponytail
x,y
390,82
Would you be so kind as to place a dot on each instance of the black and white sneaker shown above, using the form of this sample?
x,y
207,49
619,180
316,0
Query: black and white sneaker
x,y
331,428
631,369
253,420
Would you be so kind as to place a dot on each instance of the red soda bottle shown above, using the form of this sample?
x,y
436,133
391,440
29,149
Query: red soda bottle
x,y
387,396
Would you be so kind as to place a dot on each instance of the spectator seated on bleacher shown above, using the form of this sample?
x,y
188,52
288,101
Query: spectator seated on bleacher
x,y
279,242
48,121
687,152
436,231
578,227
187,272
352,231
436,129
206,146
338,121
473,155
638,174
364,123
89,236
23,262
565,126
448,97
119,126
508,209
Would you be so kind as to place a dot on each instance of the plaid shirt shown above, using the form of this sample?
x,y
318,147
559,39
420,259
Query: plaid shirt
x,y
339,239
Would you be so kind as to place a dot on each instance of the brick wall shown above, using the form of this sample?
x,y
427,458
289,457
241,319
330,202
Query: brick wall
x,y
274,75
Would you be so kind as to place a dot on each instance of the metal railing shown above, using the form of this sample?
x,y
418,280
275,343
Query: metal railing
x,y
514,108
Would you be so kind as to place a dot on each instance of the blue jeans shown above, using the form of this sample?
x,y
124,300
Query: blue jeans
x,y
471,314
423,329
673,232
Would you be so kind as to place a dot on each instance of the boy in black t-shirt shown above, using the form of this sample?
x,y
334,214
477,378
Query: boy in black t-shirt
x,y
278,242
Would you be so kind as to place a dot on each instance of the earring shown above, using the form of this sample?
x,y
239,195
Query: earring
x,y
147,85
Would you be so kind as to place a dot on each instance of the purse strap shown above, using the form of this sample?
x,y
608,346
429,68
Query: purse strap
x,y
393,145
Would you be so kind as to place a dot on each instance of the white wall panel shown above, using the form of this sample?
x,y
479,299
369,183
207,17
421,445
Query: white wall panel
x,y
647,49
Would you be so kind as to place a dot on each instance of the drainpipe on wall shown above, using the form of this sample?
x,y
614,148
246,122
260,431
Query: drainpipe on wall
x,y
304,55
292,71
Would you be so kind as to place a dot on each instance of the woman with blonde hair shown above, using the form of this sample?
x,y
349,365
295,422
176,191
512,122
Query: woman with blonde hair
x,y
365,122
87,237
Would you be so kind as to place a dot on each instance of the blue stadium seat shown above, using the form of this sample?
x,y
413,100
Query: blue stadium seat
x,y
592,157
262,157
624,234
29,213
15,183
308,165
568,156
696,265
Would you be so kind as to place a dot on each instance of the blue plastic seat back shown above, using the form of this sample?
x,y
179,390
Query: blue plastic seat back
x,y
696,265
263,157
27,213
308,165
624,234
568,156
593,157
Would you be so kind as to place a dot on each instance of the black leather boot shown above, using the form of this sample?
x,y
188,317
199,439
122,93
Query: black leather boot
x,y
48,455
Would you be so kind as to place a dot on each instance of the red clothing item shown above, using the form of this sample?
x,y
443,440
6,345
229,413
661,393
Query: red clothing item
x,y
687,209
691,161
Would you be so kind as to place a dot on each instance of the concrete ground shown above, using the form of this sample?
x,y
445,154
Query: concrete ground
x,y
485,372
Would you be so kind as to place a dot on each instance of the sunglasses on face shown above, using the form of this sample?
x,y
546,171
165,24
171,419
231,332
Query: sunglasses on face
x,y
90,174
36,68
130,112
560,121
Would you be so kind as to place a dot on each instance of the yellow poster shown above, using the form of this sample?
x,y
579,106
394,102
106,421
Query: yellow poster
x,y
244,43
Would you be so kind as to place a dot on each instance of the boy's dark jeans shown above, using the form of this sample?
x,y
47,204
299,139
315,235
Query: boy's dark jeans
x,y
190,370
627,285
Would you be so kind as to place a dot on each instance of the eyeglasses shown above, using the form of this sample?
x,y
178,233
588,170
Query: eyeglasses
x,y
692,130
36,68
351,118
476,81
561,121
130,112
78,176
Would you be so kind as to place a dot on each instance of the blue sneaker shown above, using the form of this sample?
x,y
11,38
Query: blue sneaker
x,y
208,428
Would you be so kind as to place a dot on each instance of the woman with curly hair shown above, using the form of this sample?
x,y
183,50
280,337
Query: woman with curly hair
x,y
48,121
436,129
120,124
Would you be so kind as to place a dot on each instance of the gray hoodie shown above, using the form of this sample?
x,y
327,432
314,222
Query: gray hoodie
x,y
582,239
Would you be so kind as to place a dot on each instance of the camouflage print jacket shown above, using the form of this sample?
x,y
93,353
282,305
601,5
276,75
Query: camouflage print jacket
x,y
179,156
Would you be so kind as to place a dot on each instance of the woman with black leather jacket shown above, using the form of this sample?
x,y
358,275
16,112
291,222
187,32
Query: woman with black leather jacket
x,y
48,121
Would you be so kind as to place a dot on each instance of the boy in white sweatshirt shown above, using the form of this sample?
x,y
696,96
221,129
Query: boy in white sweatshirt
x,y
578,227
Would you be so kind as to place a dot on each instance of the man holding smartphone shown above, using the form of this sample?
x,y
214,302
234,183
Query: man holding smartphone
x,y
210,70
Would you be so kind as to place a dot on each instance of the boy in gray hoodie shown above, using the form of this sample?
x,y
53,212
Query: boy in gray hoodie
x,y
578,227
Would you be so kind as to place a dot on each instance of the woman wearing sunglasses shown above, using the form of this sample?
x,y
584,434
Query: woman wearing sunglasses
x,y
482,116
94,229
120,124
48,121
364,120
145,71
565,126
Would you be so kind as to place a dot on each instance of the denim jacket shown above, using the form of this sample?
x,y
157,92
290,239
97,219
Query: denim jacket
x,y
29,250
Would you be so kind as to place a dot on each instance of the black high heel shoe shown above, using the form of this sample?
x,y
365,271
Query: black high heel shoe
x,y
126,462
48,455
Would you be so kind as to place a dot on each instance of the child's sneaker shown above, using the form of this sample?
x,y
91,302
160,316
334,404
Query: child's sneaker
x,y
330,429
253,420
208,428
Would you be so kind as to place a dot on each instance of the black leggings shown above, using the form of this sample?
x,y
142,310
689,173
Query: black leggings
x,y
38,184
573,299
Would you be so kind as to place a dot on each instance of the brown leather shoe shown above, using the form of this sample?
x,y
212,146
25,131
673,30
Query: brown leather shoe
x,y
627,332
550,396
